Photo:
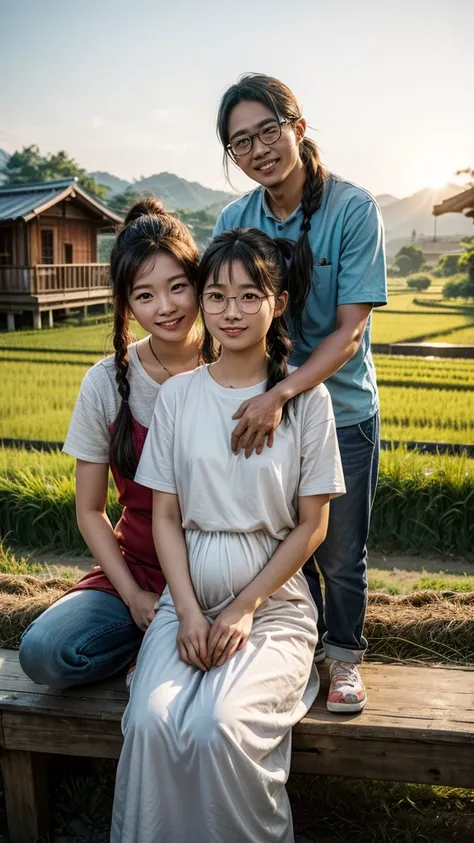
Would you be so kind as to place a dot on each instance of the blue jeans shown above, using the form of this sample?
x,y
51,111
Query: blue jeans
x,y
85,637
342,557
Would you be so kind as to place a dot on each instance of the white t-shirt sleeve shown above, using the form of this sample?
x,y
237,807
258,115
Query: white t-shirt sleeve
x,y
321,468
88,437
156,467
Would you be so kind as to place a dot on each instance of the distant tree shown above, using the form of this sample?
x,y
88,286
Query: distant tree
x,y
28,165
469,172
201,224
404,265
122,202
459,289
447,265
419,281
452,290
466,262
415,259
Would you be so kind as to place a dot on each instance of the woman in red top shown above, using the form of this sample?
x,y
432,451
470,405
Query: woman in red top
x,y
95,630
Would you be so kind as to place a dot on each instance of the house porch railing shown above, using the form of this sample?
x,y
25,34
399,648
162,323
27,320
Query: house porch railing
x,y
53,278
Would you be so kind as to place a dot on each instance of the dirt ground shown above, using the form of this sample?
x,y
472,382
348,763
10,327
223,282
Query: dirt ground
x,y
394,563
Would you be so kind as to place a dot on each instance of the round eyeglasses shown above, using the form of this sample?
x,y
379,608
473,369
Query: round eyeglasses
x,y
215,303
269,134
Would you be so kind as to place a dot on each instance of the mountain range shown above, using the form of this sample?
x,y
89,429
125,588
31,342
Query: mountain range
x,y
174,191
401,216
414,213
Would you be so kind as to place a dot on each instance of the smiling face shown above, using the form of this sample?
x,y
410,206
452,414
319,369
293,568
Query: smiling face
x,y
162,299
269,165
234,328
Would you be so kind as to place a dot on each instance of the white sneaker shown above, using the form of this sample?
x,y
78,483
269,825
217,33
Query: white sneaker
x,y
319,655
346,691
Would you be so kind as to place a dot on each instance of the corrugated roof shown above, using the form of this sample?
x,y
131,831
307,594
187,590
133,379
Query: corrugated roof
x,y
27,200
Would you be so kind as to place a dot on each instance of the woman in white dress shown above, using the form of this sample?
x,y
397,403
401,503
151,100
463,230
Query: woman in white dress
x,y
226,667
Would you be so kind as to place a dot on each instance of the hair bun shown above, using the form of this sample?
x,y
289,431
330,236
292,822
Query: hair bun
x,y
146,207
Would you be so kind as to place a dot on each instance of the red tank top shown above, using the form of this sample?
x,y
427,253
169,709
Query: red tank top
x,y
133,531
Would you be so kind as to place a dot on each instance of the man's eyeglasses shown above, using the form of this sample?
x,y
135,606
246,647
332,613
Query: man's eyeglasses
x,y
268,134
249,303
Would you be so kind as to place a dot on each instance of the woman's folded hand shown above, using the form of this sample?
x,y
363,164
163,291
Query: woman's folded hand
x,y
141,606
229,633
192,639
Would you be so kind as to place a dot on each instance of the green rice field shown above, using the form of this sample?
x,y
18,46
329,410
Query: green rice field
x,y
465,336
422,317
422,400
388,327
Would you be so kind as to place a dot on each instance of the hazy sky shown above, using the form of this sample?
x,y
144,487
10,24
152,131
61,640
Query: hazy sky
x,y
132,86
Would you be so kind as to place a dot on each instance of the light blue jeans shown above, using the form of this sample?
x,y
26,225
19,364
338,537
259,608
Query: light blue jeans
x,y
86,636
342,557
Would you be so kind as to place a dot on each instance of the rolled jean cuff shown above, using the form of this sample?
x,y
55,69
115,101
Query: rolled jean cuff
x,y
343,654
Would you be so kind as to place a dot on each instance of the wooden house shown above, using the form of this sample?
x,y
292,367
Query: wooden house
x,y
48,249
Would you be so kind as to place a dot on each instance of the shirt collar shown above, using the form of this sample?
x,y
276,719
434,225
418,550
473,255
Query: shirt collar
x,y
268,212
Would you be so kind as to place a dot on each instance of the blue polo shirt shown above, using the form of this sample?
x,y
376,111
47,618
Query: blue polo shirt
x,y
347,242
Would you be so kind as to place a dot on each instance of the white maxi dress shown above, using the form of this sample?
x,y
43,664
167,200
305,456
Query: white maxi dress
x,y
206,755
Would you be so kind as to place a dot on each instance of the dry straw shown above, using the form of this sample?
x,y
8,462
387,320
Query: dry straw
x,y
424,627
22,599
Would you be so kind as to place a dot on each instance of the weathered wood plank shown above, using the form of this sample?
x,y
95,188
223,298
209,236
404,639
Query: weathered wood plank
x,y
93,709
61,735
405,703
393,760
26,795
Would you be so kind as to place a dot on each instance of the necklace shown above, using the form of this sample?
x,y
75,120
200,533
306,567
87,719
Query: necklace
x,y
157,358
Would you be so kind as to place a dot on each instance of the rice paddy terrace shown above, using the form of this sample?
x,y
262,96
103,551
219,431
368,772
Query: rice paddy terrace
x,y
422,503
421,399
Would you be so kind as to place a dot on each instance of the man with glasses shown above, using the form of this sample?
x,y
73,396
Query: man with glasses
x,y
339,276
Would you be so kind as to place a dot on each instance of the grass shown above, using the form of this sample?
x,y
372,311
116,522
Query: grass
x,y
37,501
335,810
11,564
463,337
38,398
40,389
398,370
428,302
419,414
94,335
388,327
41,375
418,317
424,503
397,582
410,301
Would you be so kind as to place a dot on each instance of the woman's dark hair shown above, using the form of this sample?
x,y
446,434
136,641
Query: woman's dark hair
x,y
266,263
148,229
277,97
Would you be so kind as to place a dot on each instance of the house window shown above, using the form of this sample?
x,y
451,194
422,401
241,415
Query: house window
x,y
47,247
68,253
6,246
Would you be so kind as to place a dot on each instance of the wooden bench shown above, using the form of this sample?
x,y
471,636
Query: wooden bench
x,y
417,727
